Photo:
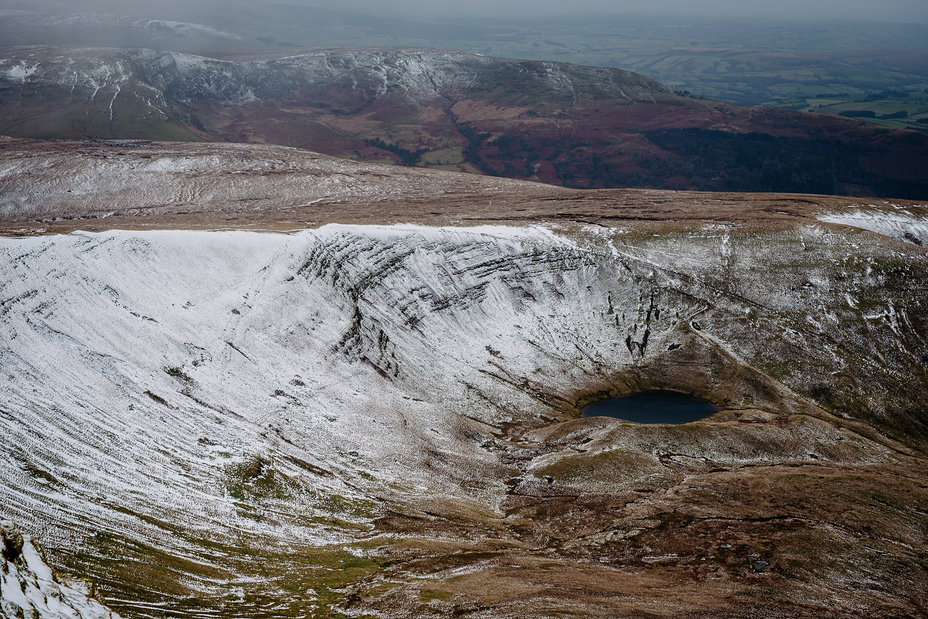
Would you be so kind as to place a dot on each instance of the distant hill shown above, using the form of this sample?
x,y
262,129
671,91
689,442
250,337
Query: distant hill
x,y
553,122
799,65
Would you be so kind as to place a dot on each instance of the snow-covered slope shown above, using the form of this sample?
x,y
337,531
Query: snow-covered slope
x,y
27,27
83,74
142,365
902,225
28,588
79,180
168,386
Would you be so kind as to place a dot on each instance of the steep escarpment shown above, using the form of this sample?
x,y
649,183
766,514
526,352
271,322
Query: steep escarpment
x,y
384,419
416,75
710,311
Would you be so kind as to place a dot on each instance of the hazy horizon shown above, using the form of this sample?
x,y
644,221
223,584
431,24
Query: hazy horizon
x,y
892,11
901,11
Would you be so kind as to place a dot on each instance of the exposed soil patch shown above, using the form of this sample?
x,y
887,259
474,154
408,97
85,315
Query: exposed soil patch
x,y
692,540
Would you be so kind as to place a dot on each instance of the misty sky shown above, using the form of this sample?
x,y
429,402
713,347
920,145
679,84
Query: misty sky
x,y
903,11
906,11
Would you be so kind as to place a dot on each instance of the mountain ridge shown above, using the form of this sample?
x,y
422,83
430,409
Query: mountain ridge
x,y
556,123
62,186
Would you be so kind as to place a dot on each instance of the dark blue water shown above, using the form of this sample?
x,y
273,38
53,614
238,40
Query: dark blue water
x,y
652,407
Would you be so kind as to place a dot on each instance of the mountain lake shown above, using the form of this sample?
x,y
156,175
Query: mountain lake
x,y
652,407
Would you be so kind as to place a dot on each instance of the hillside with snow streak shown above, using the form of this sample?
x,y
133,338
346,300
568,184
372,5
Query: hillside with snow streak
x,y
193,417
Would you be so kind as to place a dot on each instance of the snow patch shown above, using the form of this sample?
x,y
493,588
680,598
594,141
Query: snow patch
x,y
29,588
904,226
22,72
